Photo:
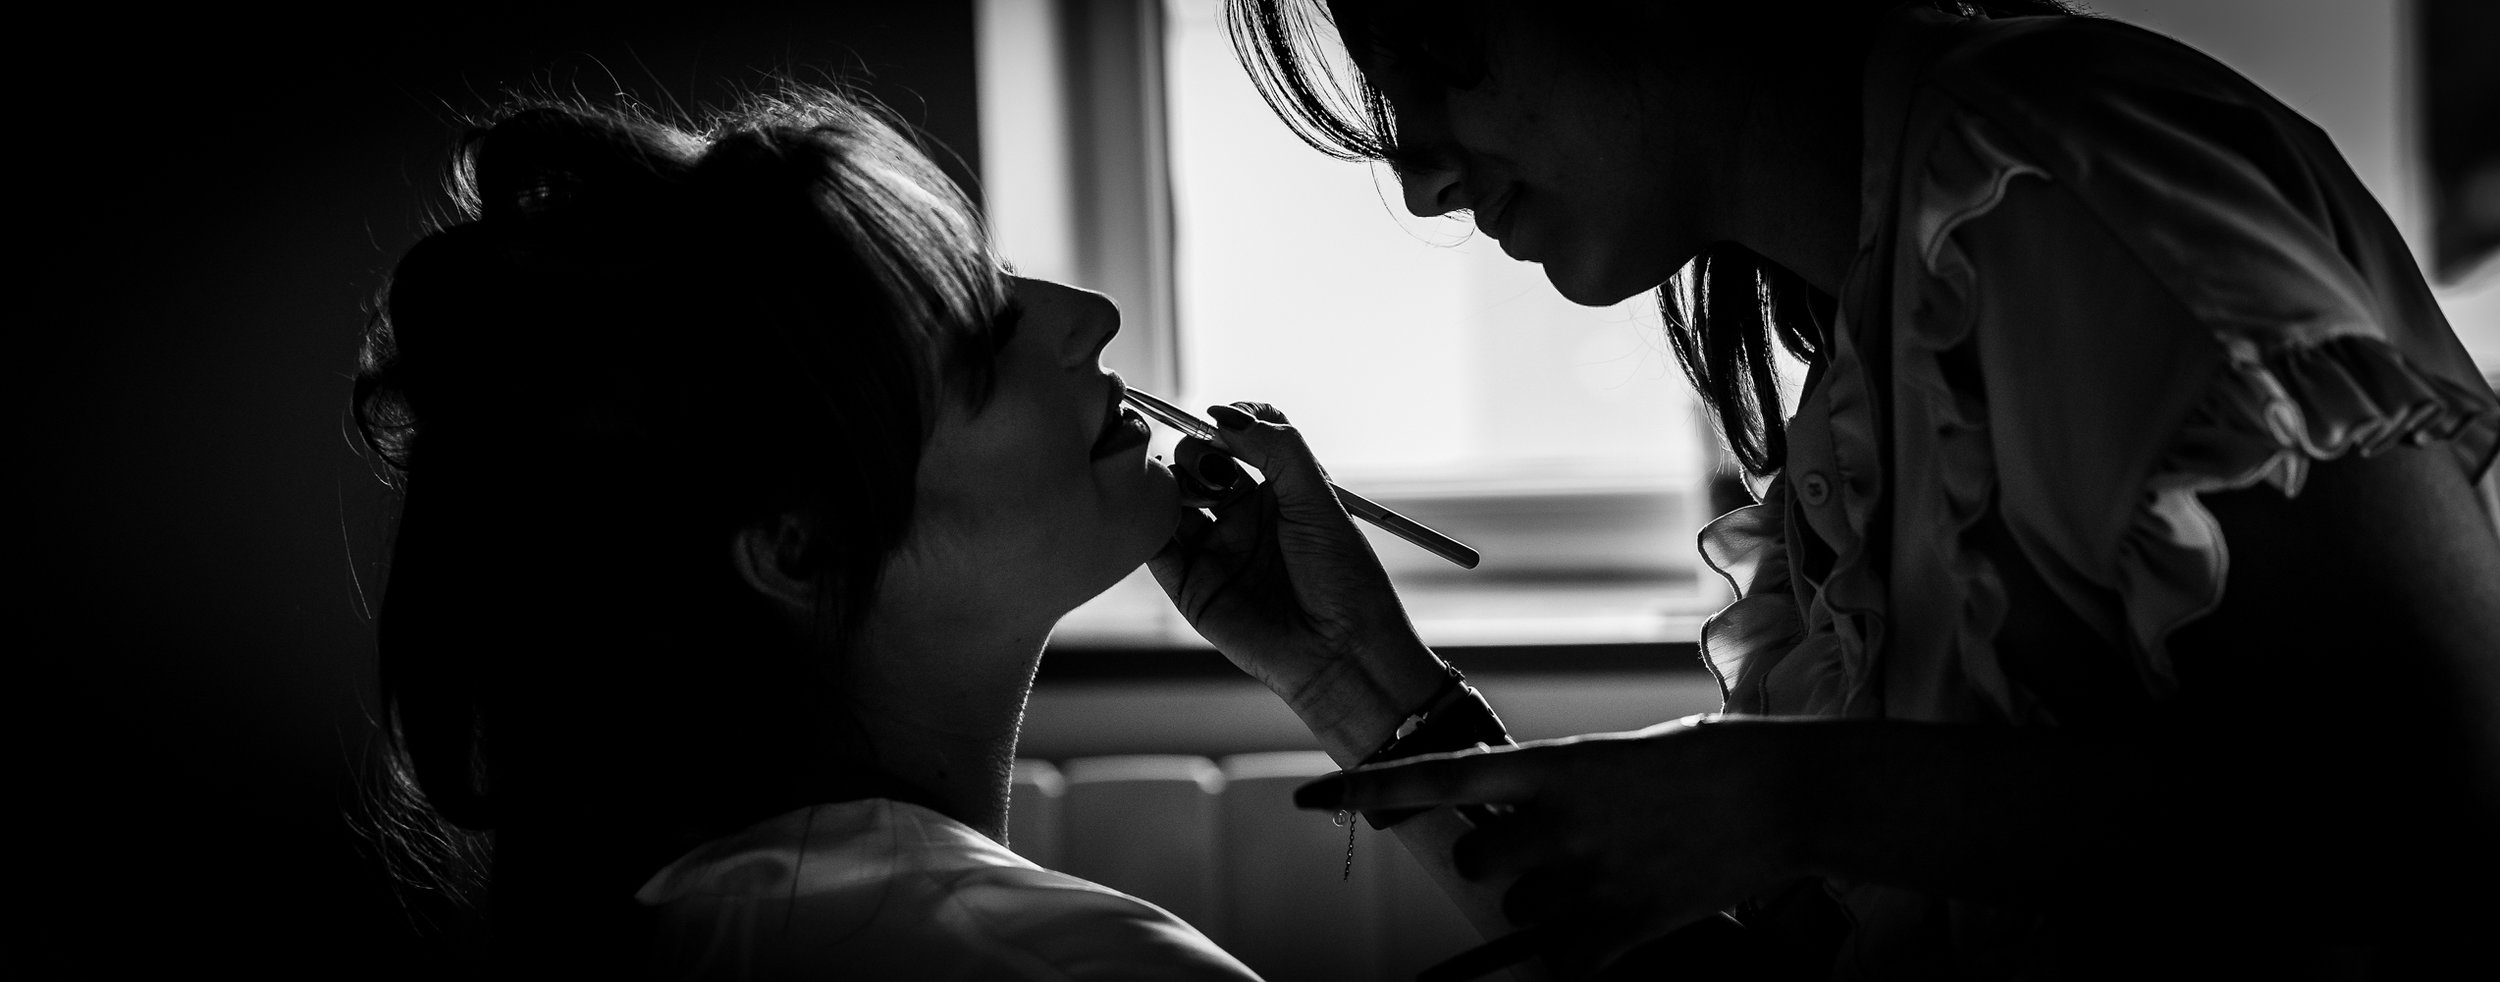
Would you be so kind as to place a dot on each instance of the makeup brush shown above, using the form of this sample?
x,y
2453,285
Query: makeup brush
x,y
1360,507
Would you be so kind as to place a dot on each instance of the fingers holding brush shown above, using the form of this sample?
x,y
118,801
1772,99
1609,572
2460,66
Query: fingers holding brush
x,y
1332,565
1207,475
1278,577
1263,437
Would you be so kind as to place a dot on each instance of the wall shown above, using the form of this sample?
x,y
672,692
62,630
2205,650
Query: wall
x,y
2352,68
217,196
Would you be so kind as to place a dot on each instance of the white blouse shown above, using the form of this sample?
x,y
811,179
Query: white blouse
x,y
881,889
2099,274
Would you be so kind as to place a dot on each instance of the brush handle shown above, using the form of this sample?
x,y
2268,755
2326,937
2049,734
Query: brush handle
x,y
1422,535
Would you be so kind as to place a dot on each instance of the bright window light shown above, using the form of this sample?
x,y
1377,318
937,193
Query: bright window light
x,y
1429,372
1414,354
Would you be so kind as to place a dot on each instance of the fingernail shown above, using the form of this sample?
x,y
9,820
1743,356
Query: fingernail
x,y
1230,418
1217,470
1325,794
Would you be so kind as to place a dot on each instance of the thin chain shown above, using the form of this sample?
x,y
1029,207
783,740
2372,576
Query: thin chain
x,y
1346,818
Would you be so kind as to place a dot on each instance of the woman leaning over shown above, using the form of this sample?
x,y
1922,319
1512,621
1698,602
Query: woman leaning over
x,y
2125,601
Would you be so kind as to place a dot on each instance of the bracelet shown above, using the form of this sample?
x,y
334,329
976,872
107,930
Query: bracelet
x,y
1457,718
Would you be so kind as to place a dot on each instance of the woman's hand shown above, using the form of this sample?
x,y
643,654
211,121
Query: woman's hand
x,y
1282,582
1611,840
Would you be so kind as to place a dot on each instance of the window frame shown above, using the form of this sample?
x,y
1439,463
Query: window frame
x,y
1076,173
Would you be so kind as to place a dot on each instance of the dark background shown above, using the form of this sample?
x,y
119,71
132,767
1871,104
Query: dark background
x,y
2461,86
216,199
213,200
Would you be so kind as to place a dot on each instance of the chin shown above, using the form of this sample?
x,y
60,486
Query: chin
x,y
1130,544
1142,523
1592,285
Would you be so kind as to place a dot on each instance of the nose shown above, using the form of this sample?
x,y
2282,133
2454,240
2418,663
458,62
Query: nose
x,y
1098,321
1432,189
1085,321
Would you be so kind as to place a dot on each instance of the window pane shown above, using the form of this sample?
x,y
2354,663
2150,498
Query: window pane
x,y
1431,373
1411,351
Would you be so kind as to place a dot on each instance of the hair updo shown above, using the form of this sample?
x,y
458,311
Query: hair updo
x,y
632,340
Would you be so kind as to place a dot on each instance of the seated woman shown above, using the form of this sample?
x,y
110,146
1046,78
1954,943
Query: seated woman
x,y
741,490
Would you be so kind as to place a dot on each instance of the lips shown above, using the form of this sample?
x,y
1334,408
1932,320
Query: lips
x,y
1122,428
1495,217
1126,431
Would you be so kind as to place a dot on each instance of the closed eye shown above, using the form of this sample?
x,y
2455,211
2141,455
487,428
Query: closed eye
x,y
1404,160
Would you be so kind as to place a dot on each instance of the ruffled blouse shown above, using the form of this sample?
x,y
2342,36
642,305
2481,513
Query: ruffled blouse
x,y
2098,274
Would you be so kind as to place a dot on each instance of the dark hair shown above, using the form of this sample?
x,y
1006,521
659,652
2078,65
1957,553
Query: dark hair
x,y
1726,309
633,339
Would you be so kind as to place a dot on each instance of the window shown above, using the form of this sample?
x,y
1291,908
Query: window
x,y
1432,373
2355,70
1429,371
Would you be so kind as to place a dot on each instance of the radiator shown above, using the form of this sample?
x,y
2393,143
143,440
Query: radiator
x,y
1219,843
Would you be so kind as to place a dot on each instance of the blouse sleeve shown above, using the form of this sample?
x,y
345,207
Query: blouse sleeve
x,y
2171,285
1741,642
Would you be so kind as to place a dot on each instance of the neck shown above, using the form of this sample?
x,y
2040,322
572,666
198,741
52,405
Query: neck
x,y
1797,174
932,699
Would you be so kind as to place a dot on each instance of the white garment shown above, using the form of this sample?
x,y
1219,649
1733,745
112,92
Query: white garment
x,y
881,889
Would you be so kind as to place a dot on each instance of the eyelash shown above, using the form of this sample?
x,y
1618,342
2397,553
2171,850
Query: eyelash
x,y
1403,160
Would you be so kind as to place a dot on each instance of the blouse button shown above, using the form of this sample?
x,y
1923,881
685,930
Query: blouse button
x,y
1816,488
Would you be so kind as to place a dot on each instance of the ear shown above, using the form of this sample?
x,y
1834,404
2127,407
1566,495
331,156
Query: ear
x,y
768,555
